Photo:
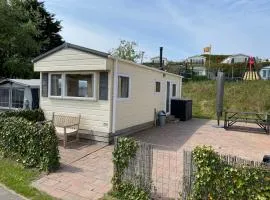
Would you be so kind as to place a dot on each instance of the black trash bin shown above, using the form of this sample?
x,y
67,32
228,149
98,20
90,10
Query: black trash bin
x,y
161,118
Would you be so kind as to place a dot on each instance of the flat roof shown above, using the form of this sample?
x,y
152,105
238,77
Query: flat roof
x,y
25,82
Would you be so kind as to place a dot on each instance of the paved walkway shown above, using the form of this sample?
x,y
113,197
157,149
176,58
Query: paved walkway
x,y
7,195
87,170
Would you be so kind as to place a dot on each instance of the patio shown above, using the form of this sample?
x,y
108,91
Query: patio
x,y
85,172
87,169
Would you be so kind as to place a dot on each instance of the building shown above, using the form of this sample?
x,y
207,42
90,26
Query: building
x,y
236,58
157,60
19,94
197,63
113,96
265,73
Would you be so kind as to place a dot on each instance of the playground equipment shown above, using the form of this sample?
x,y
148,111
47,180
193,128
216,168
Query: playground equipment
x,y
251,73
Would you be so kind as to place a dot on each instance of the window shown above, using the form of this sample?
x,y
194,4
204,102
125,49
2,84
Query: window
x,y
103,85
173,90
157,86
56,84
17,97
79,85
123,87
4,97
44,84
264,73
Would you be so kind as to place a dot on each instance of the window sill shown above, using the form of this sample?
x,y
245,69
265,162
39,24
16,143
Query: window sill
x,y
10,108
123,99
74,98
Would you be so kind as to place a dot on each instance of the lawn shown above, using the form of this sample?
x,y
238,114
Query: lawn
x,y
19,179
241,96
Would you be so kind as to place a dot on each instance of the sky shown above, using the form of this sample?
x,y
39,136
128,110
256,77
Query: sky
x,y
182,27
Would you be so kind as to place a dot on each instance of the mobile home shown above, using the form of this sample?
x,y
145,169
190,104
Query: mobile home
x,y
19,94
113,96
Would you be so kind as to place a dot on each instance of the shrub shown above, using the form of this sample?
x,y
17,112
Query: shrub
x,y
125,150
216,179
30,115
32,144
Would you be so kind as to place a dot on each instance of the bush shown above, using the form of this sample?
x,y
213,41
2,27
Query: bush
x,y
30,115
32,144
125,149
216,179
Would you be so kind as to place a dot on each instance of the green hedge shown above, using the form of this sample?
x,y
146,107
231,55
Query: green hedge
x,y
30,143
125,149
215,179
30,115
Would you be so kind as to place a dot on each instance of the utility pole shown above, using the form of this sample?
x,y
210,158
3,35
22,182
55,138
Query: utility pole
x,y
142,57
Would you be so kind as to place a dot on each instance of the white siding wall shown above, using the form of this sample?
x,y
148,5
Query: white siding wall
x,y
71,60
139,108
95,115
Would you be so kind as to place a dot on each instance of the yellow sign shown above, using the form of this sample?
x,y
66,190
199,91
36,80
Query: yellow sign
x,y
207,49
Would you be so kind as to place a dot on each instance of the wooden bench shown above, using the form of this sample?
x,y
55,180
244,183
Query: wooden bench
x,y
66,125
261,119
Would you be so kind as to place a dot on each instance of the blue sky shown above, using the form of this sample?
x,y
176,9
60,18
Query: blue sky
x,y
182,27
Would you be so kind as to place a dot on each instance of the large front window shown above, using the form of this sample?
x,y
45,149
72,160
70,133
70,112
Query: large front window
x,y
56,84
79,85
4,97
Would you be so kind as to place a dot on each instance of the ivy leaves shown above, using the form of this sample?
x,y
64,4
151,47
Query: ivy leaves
x,y
125,149
32,144
215,179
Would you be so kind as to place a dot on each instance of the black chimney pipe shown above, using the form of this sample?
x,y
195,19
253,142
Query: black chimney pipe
x,y
160,58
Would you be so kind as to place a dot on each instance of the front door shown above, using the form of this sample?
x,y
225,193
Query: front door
x,y
168,97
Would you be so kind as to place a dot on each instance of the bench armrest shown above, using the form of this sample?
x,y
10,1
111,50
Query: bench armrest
x,y
70,125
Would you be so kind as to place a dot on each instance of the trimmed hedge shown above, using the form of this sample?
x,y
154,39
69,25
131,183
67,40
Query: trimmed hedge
x,y
32,144
31,115
216,179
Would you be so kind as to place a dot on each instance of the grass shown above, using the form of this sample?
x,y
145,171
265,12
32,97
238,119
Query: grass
x,y
19,179
253,96
108,197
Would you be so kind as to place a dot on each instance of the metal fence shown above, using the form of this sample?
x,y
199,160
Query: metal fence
x,y
189,169
158,169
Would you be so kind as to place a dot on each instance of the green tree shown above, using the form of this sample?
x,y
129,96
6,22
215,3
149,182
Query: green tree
x,y
17,39
47,25
27,30
127,51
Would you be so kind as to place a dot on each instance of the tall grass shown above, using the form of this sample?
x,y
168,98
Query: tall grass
x,y
253,96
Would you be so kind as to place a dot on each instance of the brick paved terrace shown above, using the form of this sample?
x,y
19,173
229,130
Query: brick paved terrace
x,y
85,173
86,170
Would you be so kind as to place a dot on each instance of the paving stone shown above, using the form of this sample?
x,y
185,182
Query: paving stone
x,y
90,176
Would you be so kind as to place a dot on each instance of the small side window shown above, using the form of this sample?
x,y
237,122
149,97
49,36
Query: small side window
x,y
123,87
103,85
44,84
174,90
157,86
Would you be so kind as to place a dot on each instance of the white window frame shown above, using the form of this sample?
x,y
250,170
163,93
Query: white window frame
x,y
129,87
63,84
81,98
49,85
173,83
